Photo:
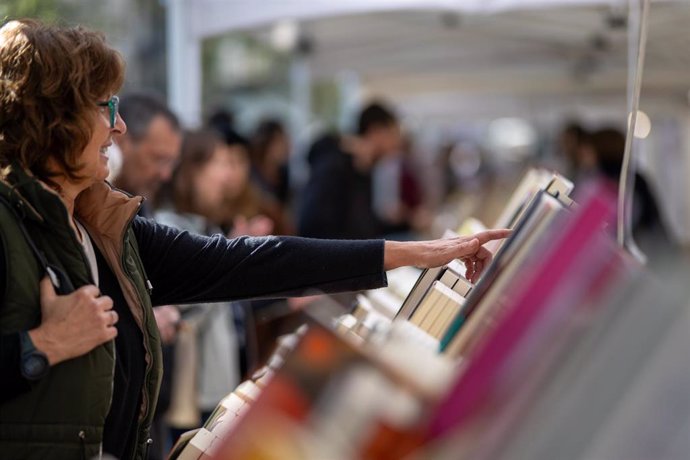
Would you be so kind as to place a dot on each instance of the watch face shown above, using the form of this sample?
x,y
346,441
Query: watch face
x,y
34,366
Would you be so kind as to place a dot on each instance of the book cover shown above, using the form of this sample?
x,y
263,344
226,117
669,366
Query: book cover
x,y
473,388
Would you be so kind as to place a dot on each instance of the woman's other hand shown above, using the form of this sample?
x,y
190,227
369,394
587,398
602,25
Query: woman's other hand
x,y
73,324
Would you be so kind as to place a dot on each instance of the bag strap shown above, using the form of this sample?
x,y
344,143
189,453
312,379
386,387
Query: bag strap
x,y
58,277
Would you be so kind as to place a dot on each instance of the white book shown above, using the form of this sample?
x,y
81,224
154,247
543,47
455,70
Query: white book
x,y
418,292
425,306
560,188
448,278
450,302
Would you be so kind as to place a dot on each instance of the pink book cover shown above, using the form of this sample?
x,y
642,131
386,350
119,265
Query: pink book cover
x,y
543,281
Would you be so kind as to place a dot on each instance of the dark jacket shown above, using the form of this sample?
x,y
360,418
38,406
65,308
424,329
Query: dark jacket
x,y
337,201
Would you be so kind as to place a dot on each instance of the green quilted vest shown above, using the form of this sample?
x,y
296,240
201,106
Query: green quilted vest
x,y
63,415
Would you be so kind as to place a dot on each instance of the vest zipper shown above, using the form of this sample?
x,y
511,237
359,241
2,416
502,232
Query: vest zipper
x,y
149,366
149,441
145,319
82,437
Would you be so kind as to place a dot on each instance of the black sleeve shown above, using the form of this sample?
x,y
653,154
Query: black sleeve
x,y
12,383
189,268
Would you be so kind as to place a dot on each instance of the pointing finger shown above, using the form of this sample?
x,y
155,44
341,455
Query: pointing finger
x,y
489,235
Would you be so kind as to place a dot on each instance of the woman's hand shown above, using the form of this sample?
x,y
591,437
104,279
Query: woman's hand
x,y
428,254
73,324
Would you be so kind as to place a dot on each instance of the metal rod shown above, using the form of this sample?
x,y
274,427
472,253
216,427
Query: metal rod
x,y
626,185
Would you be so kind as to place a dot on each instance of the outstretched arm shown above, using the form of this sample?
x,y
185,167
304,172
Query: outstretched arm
x,y
187,268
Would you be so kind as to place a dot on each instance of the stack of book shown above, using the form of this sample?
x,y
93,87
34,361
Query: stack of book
x,y
442,294
408,286
442,299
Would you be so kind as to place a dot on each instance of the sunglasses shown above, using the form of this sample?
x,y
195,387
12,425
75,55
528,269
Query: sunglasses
x,y
112,105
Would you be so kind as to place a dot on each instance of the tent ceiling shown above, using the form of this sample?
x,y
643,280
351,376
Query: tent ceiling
x,y
560,48
211,17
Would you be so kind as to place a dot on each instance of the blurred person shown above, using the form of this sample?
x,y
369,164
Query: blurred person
x,y
79,349
150,147
197,190
221,120
397,194
270,151
337,201
245,210
411,193
606,147
576,151
571,136
416,198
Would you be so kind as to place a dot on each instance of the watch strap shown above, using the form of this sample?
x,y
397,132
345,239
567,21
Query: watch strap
x,y
30,355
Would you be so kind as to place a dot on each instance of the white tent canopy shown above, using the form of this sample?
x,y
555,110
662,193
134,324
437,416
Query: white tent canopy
x,y
211,17
191,21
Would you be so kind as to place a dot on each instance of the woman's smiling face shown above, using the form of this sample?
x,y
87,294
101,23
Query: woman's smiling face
x,y
94,158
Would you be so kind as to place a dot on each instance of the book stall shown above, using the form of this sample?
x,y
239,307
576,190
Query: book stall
x,y
564,348
532,361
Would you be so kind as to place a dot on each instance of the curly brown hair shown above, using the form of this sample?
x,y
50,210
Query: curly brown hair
x,y
51,78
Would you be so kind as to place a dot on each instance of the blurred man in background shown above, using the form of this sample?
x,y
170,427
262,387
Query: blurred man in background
x,y
150,147
337,202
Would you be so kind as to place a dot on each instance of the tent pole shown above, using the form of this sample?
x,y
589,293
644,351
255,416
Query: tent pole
x,y
637,41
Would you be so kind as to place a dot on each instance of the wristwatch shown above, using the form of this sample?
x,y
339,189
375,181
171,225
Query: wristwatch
x,y
33,363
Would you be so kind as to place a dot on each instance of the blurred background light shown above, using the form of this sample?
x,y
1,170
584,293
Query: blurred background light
x,y
284,35
643,125
511,139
